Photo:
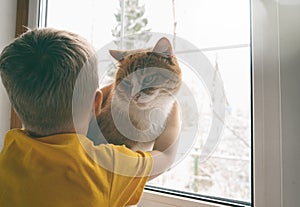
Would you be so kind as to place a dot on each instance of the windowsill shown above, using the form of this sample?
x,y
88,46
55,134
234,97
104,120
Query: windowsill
x,y
151,198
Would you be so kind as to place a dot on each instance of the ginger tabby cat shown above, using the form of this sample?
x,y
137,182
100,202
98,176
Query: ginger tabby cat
x,y
140,98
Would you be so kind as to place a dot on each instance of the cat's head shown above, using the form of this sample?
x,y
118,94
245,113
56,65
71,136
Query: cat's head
x,y
147,77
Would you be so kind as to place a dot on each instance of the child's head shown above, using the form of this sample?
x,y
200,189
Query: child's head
x,y
39,71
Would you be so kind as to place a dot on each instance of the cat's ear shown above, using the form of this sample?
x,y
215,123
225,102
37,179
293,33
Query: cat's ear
x,y
118,54
164,47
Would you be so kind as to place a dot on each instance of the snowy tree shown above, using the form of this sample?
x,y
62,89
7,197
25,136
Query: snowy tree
x,y
135,23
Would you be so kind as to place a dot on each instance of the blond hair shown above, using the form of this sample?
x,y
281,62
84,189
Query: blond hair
x,y
39,71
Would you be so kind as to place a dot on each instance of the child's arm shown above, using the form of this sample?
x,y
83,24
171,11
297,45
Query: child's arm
x,y
166,145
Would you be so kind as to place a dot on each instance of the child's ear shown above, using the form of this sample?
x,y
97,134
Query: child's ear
x,y
98,102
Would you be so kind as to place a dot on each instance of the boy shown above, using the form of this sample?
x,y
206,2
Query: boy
x,y
50,162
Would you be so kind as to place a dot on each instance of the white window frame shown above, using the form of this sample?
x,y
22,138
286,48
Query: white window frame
x,y
267,148
267,140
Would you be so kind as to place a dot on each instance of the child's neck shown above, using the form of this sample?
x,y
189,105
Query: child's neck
x,y
33,134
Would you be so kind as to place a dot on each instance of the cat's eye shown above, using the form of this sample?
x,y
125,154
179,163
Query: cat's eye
x,y
149,79
126,81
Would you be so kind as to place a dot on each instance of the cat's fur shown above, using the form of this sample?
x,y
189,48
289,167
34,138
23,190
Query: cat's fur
x,y
141,97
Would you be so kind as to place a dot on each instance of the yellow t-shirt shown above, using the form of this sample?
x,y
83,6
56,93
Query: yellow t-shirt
x,y
67,170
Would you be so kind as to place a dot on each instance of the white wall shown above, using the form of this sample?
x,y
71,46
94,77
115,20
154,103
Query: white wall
x,y
7,32
289,33
276,65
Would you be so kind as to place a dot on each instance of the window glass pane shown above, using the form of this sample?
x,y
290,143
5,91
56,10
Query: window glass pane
x,y
90,18
221,31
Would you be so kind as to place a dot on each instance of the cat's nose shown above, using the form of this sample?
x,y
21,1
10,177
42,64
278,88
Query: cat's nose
x,y
136,97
